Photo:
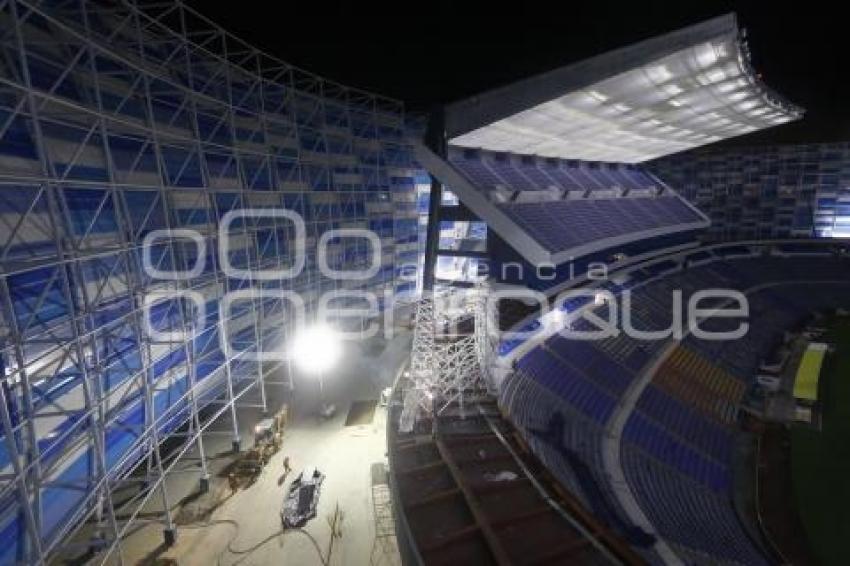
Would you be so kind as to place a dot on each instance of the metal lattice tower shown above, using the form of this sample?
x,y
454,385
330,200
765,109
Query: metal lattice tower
x,y
485,315
423,364
458,370
445,369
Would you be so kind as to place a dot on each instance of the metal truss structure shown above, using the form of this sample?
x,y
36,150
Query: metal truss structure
x,y
459,371
423,364
130,130
486,316
444,368
385,546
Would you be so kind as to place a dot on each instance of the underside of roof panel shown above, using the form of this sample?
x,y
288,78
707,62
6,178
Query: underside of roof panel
x,y
668,94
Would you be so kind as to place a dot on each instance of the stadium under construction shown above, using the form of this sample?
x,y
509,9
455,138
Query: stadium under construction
x,y
251,315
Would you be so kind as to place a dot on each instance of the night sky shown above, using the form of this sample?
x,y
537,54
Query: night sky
x,y
428,53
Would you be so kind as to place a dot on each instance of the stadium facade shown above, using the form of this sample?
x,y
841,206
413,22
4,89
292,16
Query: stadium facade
x,y
146,157
766,192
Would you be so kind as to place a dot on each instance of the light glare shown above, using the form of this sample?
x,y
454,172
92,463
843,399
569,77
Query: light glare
x,y
316,349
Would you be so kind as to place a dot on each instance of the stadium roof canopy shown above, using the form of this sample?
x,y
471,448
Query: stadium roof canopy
x,y
660,96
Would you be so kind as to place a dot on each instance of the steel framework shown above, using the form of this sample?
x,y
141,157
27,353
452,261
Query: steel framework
x,y
385,546
121,121
445,367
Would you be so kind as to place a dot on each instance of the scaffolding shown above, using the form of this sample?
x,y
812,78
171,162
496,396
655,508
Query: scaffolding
x,y
385,546
129,132
446,367
486,317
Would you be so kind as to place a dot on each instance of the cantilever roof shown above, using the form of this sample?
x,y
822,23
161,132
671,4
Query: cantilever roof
x,y
521,240
667,94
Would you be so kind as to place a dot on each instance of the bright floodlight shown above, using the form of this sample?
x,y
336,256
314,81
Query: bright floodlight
x,y
316,349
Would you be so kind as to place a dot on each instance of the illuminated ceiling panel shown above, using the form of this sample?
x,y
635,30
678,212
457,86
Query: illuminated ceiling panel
x,y
661,96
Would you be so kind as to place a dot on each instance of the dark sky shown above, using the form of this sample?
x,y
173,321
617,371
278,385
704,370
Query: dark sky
x,y
431,52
